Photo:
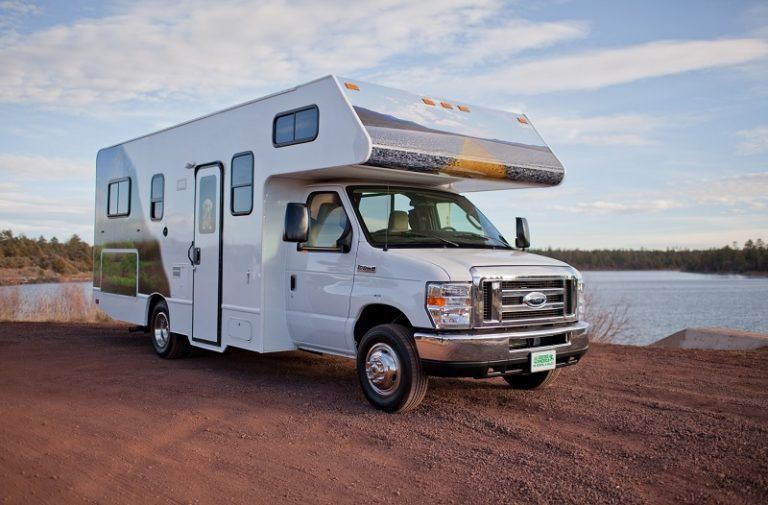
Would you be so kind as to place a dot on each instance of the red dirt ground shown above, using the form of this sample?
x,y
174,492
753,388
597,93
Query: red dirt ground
x,y
89,414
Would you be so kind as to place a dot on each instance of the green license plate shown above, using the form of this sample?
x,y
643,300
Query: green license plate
x,y
543,360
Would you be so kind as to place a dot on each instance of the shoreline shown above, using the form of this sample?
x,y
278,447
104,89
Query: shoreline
x,y
20,279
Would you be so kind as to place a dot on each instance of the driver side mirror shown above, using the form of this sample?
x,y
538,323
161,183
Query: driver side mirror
x,y
296,223
523,239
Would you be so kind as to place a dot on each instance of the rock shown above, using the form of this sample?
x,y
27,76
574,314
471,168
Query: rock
x,y
713,338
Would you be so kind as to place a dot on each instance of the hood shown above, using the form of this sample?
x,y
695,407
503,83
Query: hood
x,y
458,261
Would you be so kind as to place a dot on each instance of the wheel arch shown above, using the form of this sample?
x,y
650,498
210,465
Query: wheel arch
x,y
152,302
375,314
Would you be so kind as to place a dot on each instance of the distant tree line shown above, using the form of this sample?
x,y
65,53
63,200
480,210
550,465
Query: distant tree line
x,y
65,258
751,258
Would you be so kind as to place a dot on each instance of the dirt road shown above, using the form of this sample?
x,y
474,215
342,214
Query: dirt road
x,y
89,414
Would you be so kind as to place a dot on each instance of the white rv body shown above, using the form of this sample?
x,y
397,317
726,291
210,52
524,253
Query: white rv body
x,y
253,290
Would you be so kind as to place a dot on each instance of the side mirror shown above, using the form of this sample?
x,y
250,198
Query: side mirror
x,y
296,223
523,240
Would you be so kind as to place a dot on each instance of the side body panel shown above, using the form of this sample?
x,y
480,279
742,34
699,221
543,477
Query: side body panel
x,y
162,245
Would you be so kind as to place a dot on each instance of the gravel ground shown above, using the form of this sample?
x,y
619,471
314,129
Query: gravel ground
x,y
89,414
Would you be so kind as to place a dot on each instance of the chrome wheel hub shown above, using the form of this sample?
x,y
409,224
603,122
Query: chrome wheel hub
x,y
161,330
382,367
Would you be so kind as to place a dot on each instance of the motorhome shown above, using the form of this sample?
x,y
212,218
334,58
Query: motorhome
x,y
331,217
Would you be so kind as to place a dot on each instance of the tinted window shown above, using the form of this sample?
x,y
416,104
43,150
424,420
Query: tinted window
x,y
207,206
328,223
242,184
295,127
157,197
119,198
306,124
284,129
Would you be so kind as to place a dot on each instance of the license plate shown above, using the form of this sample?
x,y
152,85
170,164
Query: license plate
x,y
543,360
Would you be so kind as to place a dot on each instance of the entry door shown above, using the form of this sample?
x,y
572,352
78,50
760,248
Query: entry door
x,y
206,308
320,274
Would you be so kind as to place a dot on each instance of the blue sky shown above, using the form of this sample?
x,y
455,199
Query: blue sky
x,y
657,109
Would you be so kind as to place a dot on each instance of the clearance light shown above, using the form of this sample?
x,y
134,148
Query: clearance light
x,y
352,86
522,120
446,105
449,304
428,101
463,108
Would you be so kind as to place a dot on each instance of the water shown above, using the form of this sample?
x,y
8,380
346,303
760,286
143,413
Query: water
x,y
660,302
663,302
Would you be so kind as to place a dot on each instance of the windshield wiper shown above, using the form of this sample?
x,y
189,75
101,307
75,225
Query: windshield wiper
x,y
429,235
486,237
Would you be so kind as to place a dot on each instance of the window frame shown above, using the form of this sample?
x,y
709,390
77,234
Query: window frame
x,y
116,182
153,200
348,232
293,113
232,186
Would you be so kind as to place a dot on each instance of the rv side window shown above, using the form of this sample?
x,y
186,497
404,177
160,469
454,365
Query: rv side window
x,y
119,198
295,127
328,223
157,197
241,195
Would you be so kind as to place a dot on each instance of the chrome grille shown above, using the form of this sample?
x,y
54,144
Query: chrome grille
x,y
502,301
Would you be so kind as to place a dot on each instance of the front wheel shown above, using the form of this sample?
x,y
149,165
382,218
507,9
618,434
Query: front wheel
x,y
389,369
532,381
167,345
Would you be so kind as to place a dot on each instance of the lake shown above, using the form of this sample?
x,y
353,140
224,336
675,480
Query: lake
x,y
663,302
660,302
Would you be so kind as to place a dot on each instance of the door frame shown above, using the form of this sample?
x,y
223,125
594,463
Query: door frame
x,y
220,166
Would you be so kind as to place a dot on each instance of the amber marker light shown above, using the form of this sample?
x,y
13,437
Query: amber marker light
x,y
352,86
463,108
446,105
436,301
522,120
428,101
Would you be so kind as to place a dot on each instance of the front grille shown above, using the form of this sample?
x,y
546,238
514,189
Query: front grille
x,y
527,343
502,301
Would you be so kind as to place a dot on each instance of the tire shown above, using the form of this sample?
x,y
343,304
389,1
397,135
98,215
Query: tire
x,y
389,369
167,345
532,381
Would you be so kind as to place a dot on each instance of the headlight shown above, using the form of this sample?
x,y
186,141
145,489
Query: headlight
x,y
450,304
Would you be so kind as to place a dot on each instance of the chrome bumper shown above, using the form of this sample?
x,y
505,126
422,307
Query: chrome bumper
x,y
495,347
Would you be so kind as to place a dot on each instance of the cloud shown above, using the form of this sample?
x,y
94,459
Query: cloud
x,y
737,194
516,36
755,141
622,129
625,207
606,67
27,167
12,12
159,50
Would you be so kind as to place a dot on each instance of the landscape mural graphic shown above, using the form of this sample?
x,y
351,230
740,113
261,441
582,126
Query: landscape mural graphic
x,y
429,135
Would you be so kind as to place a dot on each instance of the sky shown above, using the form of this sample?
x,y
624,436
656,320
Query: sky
x,y
657,109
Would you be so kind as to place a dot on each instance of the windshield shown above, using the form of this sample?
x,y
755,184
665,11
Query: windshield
x,y
410,217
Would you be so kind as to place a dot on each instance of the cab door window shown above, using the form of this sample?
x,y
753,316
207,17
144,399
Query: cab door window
x,y
329,227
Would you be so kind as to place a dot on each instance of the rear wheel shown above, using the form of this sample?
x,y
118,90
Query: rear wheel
x,y
389,369
532,381
167,345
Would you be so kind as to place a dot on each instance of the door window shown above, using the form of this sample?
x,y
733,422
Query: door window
x,y
207,205
328,222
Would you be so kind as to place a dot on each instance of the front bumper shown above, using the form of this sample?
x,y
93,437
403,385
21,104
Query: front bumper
x,y
486,354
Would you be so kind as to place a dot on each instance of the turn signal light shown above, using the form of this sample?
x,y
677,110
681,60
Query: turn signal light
x,y
352,86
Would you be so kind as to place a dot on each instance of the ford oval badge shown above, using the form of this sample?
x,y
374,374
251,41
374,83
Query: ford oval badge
x,y
535,299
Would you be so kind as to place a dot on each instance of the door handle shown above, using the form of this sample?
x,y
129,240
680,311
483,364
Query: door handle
x,y
193,254
293,282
